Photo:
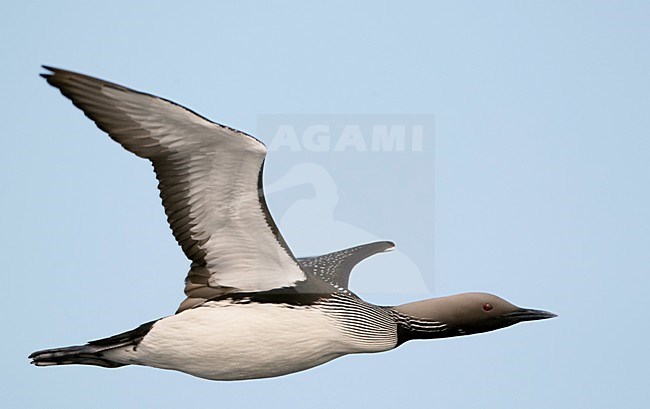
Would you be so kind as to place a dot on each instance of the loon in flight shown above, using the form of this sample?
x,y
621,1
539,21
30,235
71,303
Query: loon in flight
x,y
253,310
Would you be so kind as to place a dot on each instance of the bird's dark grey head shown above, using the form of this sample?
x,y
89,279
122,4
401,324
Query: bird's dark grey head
x,y
463,314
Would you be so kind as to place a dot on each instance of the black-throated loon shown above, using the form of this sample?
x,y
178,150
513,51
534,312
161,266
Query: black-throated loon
x,y
252,309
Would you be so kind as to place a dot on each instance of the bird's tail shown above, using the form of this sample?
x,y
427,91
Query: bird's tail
x,y
93,353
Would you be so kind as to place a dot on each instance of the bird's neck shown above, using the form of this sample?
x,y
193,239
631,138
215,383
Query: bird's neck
x,y
409,328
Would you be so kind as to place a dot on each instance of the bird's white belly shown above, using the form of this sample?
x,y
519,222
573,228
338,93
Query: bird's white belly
x,y
225,341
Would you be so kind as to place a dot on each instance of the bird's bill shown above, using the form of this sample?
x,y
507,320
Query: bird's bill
x,y
525,314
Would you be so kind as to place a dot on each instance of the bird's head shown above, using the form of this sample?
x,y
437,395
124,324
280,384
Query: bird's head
x,y
467,313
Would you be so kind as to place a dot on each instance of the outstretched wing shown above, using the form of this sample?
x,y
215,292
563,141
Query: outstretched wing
x,y
335,268
210,181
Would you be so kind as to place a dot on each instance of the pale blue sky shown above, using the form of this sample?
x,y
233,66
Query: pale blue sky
x,y
540,168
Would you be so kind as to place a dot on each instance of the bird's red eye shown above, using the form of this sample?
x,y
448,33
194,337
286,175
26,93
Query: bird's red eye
x,y
487,307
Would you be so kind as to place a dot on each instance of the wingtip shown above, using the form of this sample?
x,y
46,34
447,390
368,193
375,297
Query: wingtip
x,y
48,75
390,246
54,71
49,68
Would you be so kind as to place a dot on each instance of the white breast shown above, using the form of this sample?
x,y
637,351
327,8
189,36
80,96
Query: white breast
x,y
226,341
